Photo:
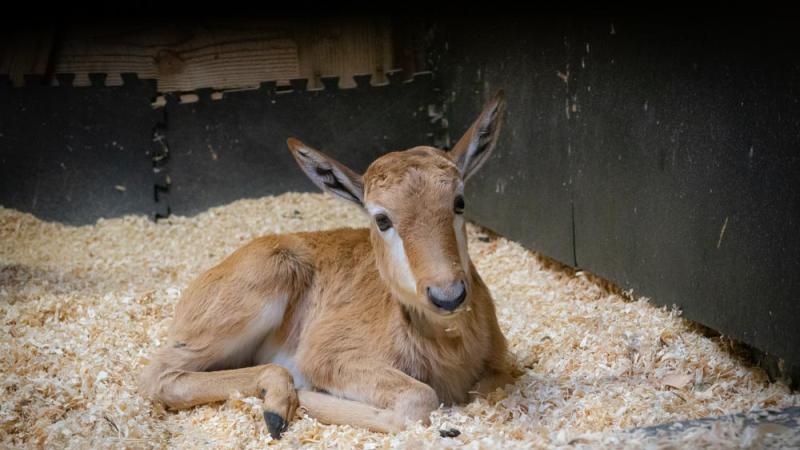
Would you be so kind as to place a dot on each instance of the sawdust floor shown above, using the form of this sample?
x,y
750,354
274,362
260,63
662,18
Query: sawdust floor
x,y
82,307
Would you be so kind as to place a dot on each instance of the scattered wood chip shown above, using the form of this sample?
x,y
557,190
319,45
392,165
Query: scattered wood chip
x,y
82,308
676,380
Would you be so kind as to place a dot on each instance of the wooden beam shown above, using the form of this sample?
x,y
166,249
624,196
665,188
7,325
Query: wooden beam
x,y
233,54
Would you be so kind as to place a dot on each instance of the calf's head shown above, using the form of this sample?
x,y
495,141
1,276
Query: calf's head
x,y
415,199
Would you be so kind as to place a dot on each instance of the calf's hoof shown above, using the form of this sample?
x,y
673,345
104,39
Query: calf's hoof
x,y
275,424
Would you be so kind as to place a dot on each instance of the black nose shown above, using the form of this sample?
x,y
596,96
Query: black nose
x,y
449,298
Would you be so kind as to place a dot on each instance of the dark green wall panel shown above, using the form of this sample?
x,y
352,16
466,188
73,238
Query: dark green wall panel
x,y
668,148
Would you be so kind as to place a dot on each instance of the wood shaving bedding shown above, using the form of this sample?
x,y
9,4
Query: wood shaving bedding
x,y
82,307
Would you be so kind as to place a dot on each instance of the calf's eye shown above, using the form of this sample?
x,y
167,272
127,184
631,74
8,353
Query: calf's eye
x,y
383,222
458,205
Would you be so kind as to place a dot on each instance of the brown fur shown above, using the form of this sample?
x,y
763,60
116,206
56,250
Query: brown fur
x,y
334,302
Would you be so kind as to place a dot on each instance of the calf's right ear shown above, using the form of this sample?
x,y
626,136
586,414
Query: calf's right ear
x,y
327,173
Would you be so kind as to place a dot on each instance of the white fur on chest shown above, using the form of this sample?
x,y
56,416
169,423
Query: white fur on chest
x,y
288,360
270,351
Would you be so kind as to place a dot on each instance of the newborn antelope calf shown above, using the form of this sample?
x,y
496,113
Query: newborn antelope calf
x,y
369,327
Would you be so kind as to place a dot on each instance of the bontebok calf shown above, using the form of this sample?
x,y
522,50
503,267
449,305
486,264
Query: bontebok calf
x,y
370,327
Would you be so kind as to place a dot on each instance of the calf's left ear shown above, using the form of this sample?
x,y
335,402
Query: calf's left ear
x,y
475,146
327,173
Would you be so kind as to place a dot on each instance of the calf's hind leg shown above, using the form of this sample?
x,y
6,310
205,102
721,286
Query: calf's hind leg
x,y
220,322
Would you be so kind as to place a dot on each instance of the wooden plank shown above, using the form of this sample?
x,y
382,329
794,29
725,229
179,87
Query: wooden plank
x,y
219,56
411,45
229,55
344,49
25,52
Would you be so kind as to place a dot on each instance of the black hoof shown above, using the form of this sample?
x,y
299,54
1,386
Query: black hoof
x,y
275,424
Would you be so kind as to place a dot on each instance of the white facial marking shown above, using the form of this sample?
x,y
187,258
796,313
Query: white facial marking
x,y
401,269
461,239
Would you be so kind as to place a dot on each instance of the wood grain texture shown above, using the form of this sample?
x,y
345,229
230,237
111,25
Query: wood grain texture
x,y
182,58
25,52
220,55
332,48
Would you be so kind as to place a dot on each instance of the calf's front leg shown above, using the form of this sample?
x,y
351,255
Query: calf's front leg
x,y
338,411
389,393
180,389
